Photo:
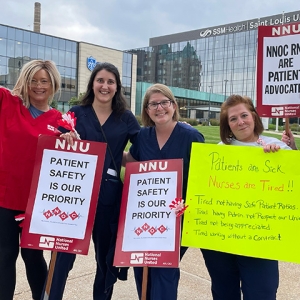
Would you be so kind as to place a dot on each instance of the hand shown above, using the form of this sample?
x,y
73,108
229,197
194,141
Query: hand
x,y
288,138
271,148
69,137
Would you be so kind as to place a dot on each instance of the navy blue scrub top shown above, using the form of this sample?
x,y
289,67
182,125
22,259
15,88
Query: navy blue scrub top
x,y
118,130
177,146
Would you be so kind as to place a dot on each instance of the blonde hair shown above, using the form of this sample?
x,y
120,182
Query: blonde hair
x,y
28,71
164,90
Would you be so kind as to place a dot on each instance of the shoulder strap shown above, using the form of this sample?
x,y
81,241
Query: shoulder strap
x,y
104,136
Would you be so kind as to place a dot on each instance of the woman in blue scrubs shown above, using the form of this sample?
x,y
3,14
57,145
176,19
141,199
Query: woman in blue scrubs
x,y
163,137
103,104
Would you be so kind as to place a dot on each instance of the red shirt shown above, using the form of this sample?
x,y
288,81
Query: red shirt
x,y
18,141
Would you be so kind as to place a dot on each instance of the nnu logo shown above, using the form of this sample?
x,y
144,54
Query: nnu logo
x,y
91,63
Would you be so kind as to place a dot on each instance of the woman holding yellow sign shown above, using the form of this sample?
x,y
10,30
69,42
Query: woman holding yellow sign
x,y
232,274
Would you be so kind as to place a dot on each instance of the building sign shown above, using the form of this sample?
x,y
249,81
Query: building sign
x,y
226,29
249,25
278,73
91,63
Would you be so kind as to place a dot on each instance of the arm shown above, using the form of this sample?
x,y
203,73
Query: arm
x,y
127,157
288,138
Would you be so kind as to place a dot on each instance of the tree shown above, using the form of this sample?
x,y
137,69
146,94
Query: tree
x,y
76,100
54,104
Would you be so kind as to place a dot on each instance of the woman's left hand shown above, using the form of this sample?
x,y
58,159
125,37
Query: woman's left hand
x,y
271,148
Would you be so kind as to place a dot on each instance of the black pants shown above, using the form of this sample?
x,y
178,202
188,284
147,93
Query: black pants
x,y
35,264
162,282
104,238
233,275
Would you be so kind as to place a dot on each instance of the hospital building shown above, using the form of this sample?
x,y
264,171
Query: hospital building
x,y
202,67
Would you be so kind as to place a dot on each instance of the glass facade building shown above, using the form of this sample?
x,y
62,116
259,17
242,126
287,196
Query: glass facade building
x,y
127,75
217,61
18,46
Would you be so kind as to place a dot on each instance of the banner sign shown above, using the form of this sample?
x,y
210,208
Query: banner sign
x,y
278,71
243,201
64,194
149,231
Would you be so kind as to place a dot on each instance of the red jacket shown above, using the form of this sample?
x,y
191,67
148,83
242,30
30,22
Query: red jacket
x,y
18,141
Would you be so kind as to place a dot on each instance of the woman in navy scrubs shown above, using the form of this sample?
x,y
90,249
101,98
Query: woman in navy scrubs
x,y
103,104
163,137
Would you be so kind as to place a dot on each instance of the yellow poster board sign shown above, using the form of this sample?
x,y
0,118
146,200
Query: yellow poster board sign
x,y
244,201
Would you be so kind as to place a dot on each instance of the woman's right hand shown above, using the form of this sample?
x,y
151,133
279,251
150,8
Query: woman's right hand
x,y
69,137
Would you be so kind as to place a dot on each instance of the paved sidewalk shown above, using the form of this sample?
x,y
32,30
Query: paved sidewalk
x,y
194,282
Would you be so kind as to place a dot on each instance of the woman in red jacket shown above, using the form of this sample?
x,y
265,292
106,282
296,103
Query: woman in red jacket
x,y
25,113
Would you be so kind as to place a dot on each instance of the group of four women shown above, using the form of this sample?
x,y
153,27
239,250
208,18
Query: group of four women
x,y
25,113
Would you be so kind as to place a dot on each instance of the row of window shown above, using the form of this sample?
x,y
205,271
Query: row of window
x,y
35,38
226,63
13,49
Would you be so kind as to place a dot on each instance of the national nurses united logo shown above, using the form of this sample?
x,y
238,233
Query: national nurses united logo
x,y
91,63
137,258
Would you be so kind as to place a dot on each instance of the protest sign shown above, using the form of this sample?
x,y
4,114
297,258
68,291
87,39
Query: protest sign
x,y
278,71
149,231
63,196
243,201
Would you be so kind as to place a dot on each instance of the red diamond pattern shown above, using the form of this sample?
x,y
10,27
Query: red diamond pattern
x,y
138,231
145,227
63,216
162,228
56,211
73,215
152,230
48,214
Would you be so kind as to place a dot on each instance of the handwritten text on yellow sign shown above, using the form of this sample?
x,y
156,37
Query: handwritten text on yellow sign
x,y
244,201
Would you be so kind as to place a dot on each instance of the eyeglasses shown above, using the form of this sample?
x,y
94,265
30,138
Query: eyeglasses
x,y
163,104
42,83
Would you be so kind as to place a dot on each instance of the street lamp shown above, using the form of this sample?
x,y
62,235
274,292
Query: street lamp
x,y
225,80
210,87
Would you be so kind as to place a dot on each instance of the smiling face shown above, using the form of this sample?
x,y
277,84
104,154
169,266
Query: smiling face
x,y
241,123
104,87
160,115
40,89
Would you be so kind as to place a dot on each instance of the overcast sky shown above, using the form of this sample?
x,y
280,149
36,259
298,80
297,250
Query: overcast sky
x,y
127,24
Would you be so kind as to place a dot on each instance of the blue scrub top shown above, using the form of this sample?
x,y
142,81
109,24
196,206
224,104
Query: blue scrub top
x,y
177,146
118,130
